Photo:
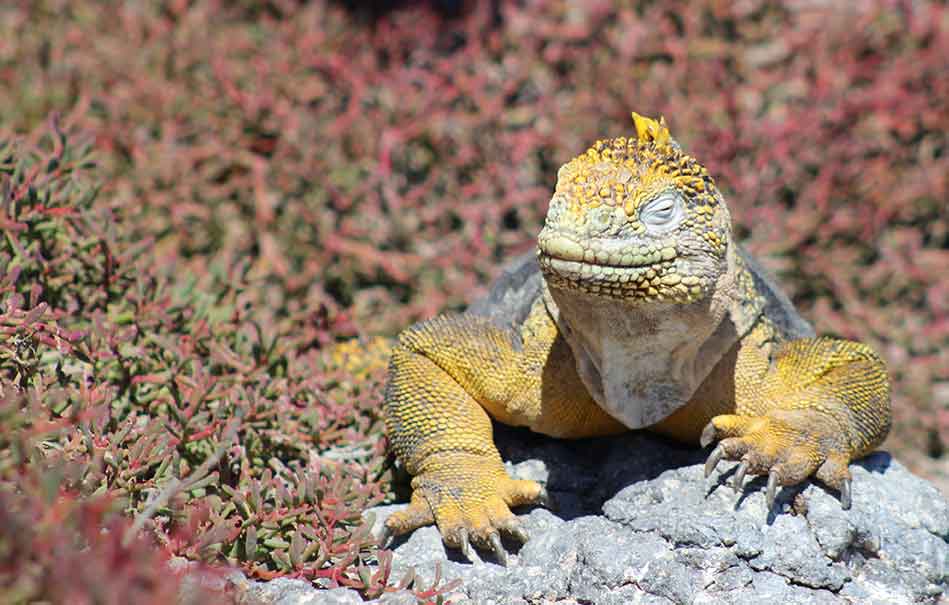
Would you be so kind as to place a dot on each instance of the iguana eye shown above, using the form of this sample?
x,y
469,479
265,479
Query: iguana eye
x,y
664,211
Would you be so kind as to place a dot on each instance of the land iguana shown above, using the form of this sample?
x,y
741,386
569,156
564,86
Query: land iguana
x,y
638,310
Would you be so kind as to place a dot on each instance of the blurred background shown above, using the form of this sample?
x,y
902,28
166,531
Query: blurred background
x,y
380,161
383,159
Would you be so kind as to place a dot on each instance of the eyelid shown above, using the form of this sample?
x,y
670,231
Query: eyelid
x,y
661,203
661,210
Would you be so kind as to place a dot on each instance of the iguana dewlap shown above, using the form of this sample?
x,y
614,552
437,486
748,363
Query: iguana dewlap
x,y
638,310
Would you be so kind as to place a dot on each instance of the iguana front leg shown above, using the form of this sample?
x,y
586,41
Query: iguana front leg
x,y
808,409
445,376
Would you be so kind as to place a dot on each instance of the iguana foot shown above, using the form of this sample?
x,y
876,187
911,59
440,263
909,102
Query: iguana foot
x,y
787,445
470,503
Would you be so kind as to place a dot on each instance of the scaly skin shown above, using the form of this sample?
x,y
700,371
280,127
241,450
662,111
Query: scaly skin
x,y
649,316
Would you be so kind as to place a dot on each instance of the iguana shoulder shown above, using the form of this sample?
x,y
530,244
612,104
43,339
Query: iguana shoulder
x,y
778,308
513,293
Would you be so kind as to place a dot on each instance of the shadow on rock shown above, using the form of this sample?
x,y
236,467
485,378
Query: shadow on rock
x,y
582,474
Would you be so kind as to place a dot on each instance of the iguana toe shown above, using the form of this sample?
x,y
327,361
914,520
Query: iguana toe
x,y
417,514
787,446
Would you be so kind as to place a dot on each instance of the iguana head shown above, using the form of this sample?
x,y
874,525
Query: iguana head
x,y
635,219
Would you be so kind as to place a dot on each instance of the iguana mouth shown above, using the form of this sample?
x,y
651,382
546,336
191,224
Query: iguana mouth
x,y
625,273
603,253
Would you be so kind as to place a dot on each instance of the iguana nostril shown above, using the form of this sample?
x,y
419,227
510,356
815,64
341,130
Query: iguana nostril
x,y
601,219
555,210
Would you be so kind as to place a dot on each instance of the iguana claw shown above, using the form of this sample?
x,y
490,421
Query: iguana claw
x,y
545,500
846,497
499,552
516,530
708,435
740,475
385,535
772,490
789,446
464,545
713,459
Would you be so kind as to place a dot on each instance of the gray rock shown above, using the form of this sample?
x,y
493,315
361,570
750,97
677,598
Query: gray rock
x,y
402,597
637,522
284,591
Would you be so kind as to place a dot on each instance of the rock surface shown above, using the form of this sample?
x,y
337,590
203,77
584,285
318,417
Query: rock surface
x,y
638,523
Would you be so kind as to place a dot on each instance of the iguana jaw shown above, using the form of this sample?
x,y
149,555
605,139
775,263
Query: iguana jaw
x,y
623,270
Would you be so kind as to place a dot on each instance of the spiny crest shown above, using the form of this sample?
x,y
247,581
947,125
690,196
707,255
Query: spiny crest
x,y
653,148
648,129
